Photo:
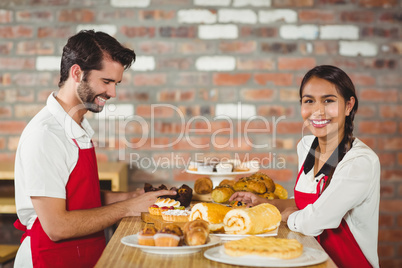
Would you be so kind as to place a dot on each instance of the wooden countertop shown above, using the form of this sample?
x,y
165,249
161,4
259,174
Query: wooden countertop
x,y
117,254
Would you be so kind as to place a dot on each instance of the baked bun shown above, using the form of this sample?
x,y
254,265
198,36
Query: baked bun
x,y
269,195
221,194
269,183
250,184
196,232
280,191
227,182
203,185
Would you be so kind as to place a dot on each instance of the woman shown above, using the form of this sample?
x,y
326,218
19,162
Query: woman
x,y
337,191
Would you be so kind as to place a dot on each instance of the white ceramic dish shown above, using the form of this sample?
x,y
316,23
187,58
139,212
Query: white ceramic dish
x,y
132,241
310,256
236,237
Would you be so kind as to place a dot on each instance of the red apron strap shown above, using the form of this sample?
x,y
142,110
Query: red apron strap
x,y
21,227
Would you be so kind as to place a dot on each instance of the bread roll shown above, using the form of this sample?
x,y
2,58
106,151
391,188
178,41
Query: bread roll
x,y
250,184
221,194
269,183
196,232
203,185
256,220
212,213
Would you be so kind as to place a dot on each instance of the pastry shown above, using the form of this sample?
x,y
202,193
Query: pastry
x,y
269,195
255,220
222,194
149,188
269,183
146,236
203,185
281,192
176,215
224,168
241,168
212,213
250,184
227,182
193,166
162,204
205,168
265,246
168,236
196,232
184,195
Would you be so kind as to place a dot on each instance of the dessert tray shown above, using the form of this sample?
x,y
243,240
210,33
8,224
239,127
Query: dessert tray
x,y
236,237
310,256
132,241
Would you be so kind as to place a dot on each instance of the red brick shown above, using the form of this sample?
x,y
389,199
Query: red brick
x,y
390,95
153,143
5,48
255,64
289,95
227,79
228,143
371,32
62,32
240,47
12,127
375,127
391,111
390,235
113,15
7,157
391,175
6,16
378,3
325,48
387,159
296,63
180,176
386,220
2,143
289,127
16,31
180,32
209,127
32,79
292,3
195,48
316,16
169,128
390,17
12,143
192,79
280,175
5,111
257,94
386,251
48,3
399,159
193,143
174,64
357,16
279,48
390,80
17,63
366,111
34,16
212,94
362,79
270,111
76,15
391,206
27,111
156,15
172,160
391,143
278,79
132,32
387,190
151,79
35,48
264,32
150,111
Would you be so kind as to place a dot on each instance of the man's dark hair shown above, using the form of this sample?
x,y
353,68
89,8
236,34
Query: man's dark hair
x,y
88,49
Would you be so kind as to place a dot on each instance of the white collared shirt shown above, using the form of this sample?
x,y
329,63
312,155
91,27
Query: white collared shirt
x,y
353,194
46,155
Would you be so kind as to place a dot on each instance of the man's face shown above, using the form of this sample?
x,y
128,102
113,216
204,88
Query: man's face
x,y
100,86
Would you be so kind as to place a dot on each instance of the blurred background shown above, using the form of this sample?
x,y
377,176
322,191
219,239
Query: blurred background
x,y
213,78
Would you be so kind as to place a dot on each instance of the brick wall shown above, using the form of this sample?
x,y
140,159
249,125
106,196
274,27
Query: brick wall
x,y
215,78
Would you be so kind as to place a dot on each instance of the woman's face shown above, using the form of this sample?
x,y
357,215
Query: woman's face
x,y
323,109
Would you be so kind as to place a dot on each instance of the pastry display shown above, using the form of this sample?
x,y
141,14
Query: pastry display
x,y
146,236
169,236
221,194
241,168
224,167
212,213
264,246
196,232
205,168
255,220
176,215
203,185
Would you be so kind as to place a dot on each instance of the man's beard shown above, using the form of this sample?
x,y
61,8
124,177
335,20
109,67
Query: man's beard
x,y
87,96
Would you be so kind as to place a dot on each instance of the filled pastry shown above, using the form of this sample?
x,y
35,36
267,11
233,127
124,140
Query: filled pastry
x,y
212,213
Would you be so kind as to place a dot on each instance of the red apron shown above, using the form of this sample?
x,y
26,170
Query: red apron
x,y
339,243
82,192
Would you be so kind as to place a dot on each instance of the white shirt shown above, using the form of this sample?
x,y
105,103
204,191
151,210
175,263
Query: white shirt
x,y
46,155
353,194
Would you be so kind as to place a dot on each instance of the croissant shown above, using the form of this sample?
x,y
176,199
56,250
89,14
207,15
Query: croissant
x,y
196,232
222,193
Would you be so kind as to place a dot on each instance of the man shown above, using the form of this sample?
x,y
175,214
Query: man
x,y
57,191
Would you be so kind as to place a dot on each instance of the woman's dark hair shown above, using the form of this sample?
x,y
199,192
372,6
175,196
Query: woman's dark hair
x,y
344,87
88,49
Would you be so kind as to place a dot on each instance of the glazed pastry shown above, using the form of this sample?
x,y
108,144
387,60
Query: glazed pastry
x,y
196,232
146,236
168,236
176,215
265,246
221,194
212,213
227,182
269,183
269,195
281,192
250,185
203,185
256,220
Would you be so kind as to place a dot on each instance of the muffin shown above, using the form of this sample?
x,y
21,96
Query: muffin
x,y
146,236
169,236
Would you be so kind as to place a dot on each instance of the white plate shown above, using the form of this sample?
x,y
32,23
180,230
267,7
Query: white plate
x,y
236,236
132,241
310,256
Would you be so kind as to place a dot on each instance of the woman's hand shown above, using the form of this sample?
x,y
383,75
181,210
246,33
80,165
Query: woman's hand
x,y
248,198
285,214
